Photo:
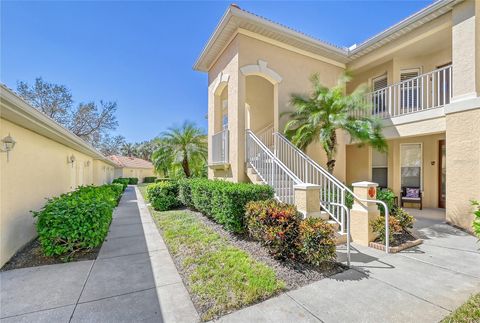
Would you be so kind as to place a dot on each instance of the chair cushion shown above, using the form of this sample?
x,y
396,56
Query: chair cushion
x,y
411,199
412,192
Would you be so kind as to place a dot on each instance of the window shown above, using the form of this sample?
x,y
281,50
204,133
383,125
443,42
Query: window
x,y
379,93
380,168
411,165
225,114
409,89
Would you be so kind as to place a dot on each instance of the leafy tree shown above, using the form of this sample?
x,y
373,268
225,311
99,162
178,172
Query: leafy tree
x,y
111,145
129,149
184,146
317,118
89,121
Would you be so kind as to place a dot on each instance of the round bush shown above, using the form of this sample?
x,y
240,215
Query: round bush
x,y
316,241
163,195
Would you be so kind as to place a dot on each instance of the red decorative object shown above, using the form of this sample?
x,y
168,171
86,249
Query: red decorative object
x,y
372,192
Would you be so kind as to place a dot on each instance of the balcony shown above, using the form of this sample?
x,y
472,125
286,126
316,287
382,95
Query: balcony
x,y
424,92
220,150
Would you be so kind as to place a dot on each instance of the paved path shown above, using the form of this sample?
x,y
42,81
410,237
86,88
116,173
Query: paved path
x,y
422,284
133,279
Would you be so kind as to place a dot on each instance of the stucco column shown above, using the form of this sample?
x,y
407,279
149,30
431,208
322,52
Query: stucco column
x,y
463,116
465,50
363,213
236,124
307,199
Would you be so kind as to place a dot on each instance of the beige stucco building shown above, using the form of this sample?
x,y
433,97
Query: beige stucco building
x,y
46,160
132,167
424,74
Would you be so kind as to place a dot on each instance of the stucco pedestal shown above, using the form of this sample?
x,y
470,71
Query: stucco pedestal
x,y
363,213
307,200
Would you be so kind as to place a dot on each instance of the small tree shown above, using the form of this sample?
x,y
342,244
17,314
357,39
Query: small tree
x,y
317,118
184,146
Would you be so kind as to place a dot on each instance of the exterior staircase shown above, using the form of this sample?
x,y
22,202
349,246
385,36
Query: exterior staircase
x,y
265,166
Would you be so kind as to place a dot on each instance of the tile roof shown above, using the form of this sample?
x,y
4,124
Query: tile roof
x,y
130,162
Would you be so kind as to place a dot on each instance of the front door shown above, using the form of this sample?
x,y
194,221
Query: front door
x,y
442,173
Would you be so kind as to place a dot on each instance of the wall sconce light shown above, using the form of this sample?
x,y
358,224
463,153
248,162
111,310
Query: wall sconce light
x,y
71,159
87,163
7,145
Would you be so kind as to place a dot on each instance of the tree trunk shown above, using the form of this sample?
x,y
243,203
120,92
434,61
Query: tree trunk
x,y
186,166
331,152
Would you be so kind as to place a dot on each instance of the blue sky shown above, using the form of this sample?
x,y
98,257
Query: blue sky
x,y
140,54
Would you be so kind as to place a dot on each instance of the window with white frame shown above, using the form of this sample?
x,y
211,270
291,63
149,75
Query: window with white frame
x,y
379,85
409,88
411,165
225,114
380,168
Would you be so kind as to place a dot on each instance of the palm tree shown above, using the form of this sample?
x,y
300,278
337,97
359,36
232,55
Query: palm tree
x,y
129,150
184,146
318,117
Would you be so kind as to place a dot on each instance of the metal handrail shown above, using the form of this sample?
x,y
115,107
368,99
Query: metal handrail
x,y
344,189
274,158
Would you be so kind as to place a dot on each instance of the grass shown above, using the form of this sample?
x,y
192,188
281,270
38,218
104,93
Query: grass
x,y
469,312
220,276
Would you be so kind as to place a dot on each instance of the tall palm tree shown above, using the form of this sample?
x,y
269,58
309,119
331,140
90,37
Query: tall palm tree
x,y
317,118
181,146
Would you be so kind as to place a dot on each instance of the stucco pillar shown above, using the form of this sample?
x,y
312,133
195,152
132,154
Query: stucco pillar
x,y
465,50
463,116
363,213
307,199
236,124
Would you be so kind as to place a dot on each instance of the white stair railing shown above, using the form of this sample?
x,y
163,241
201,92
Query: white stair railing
x,y
332,192
266,136
270,169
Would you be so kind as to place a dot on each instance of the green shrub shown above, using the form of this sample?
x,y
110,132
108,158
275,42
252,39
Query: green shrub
x,y
476,221
164,179
276,225
378,226
132,180
163,195
123,181
185,192
76,220
405,220
223,201
316,241
149,179
388,196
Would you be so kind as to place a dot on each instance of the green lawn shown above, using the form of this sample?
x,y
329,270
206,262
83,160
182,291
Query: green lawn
x,y
220,276
469,312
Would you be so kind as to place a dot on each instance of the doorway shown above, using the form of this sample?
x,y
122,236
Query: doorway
x,y
442,173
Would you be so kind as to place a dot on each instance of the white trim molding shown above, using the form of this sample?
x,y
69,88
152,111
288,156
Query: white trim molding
x,y
220,82
261,69
463,105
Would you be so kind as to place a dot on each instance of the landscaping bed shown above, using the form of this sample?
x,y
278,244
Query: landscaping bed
x,y
70,227
243,247
32,255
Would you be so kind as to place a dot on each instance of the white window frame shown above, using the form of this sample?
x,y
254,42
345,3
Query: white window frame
x,y
421,163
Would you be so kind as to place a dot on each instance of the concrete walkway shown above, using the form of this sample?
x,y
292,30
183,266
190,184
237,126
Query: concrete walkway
x,y
423,284
133,279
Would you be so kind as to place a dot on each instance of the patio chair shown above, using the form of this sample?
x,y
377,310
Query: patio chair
x,y
411,195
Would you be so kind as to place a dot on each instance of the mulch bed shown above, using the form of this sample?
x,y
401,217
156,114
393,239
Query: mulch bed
x,y
32,256
294,274
401,242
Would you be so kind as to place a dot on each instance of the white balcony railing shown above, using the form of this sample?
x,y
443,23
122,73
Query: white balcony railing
x,y
220,147
427,91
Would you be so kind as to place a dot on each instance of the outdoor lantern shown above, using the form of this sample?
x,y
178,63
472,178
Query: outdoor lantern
x,y
71,159
7,144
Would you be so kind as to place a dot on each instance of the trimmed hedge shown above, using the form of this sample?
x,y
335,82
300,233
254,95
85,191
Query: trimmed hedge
x,y
77,220
223,201
123,181
149,179
282,230
163,195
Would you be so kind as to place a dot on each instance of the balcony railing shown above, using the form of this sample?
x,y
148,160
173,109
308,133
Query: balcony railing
x,y
220,148
427,91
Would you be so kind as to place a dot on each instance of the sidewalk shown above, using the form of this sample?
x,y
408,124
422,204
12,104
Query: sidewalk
x,y
133,279
422,284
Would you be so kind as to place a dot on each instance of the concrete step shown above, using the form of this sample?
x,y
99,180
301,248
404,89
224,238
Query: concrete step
x,y
340,238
